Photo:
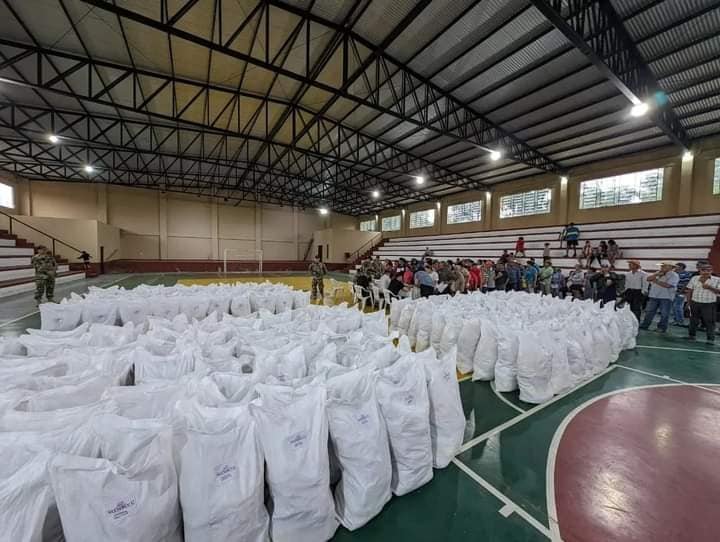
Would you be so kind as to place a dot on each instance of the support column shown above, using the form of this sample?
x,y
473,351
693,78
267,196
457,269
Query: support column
x,y
684,193
215,229
563,201
296,233
162,222
258,226
101,204
488,209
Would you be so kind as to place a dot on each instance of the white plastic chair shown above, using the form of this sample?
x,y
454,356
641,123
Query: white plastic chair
x,y
335,289
378,299
358,297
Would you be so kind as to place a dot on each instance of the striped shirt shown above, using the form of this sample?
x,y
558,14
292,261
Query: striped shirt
x,y
700,294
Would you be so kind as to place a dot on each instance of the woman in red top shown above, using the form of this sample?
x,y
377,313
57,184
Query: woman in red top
x,y
475,281
520,247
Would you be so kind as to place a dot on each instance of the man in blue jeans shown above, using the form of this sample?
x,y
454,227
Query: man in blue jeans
x,y
679,301
663,286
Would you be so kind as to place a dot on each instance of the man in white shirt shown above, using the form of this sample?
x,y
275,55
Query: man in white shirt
x,y
634,285
663,286
702,292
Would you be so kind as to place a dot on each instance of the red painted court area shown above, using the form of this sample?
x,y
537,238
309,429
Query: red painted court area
x,y
641,465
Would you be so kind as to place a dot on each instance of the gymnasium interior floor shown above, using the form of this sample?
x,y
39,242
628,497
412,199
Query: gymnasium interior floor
x,y
629,455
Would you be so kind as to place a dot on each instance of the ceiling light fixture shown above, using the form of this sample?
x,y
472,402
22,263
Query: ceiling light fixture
x,y
563,179
52,138
638,110
376,194
688,155
495,155
420,179
89,169
323,210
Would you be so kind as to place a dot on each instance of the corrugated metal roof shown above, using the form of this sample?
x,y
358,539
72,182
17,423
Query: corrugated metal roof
x,y
670,40
630,148
381,18
661,16
690,56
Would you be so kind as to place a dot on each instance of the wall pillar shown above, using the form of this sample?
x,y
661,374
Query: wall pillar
x,y
101,206
258,226
563,201
489,217
296,233
162,223
684,194
215,228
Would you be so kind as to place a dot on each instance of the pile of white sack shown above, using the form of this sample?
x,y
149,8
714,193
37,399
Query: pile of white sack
x,y
540,345
117,306
315,402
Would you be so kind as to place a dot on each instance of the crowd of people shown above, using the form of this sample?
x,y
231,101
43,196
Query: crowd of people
x,y
671,292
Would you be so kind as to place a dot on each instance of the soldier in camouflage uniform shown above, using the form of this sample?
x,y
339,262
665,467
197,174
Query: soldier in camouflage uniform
x,y
318,271
45,269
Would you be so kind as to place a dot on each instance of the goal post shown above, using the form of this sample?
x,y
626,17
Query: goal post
x,y
232,254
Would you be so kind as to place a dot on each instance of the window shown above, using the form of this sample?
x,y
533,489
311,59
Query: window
x,y
7,196
391,223
368,225
422,219
628,189
464,212
535,202
716,177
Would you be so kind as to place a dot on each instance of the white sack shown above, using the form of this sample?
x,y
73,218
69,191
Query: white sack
x,y
467,342
534,368
486,352
60,316
506,365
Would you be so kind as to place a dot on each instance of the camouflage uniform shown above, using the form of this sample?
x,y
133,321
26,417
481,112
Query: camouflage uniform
x,y
45,269
318,271
377,269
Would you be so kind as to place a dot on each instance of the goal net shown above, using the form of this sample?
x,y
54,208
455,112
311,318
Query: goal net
x,y
242,261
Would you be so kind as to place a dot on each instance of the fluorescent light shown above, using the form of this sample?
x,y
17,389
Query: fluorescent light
x,y
52,138
639,110
420,179
89,169
495,155
323,210
376,194
688,155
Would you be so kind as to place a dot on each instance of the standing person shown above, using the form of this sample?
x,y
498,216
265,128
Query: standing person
x,y
576,282
546,252
678,307
606,284
488,277
703,291
531,276
317,271
571,234
475,278
45,271
501,277
520,247
85,257
514,273
635,284
557,283
613,252
504,257
595,255
663,285
545,277
586,253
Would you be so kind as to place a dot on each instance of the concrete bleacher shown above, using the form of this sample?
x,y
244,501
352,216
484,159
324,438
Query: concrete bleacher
x,y
681,239
16,273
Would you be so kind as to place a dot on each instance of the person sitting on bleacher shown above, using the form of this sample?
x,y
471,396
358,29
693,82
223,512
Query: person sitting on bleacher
x,y
504,257
613,252
576,282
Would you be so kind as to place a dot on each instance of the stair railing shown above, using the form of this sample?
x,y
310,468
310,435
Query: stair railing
x,y
367,246
54,241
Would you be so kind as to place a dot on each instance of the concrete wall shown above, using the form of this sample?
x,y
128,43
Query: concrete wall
x,y
146,224
687,190
337,242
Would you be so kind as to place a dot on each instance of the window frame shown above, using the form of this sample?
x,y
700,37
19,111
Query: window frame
x,y
370,220
519,207
470,214
422,212
9,191
399,223
622,192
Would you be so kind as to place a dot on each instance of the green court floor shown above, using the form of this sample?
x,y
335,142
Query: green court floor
x,y
497,487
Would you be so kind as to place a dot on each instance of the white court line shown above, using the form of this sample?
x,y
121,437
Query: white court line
x,y
464,378
509,506
35,312
679,349
670,379
18,319
504,399
557,437
517,419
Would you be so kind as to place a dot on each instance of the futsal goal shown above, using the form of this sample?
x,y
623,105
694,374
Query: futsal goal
x,y
252,260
